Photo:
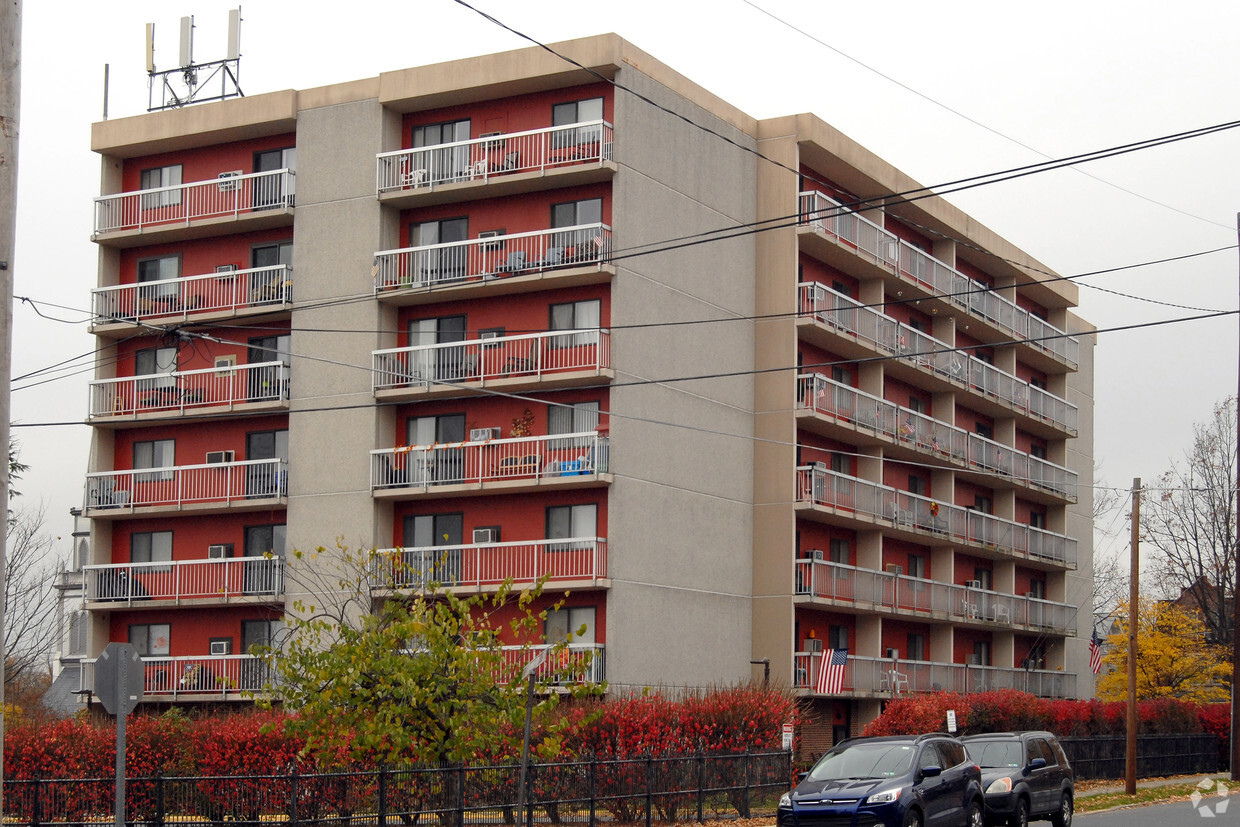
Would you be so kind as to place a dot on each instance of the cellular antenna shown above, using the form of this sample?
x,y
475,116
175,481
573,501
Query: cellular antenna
x,y
192,82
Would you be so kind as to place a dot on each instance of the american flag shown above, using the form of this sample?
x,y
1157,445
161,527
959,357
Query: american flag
x,y
1095,652
831,674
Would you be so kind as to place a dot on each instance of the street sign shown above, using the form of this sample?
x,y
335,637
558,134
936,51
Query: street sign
x,y
119,678
951,720
787,740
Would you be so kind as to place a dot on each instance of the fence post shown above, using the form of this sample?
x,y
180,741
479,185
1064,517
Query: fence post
x,y
382,795
649,790
292,797
745,800
701,785
159,799
593,788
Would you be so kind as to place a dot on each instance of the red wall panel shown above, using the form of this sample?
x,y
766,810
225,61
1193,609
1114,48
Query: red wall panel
x,y
203,163
520,113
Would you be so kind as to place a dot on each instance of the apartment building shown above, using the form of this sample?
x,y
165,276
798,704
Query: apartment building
x,y
444,313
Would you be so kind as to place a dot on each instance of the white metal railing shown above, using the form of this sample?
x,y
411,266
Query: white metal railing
x,y
491,564
178,580
829,217
226,291
182,203
437,265
503,154
872,676
189,389
828,398
844,493
584,662
481,360
884,333
882,590
225,482
540,457
194,675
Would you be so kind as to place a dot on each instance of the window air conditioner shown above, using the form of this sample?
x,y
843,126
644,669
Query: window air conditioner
x,y
221,647
219,551
219,457
497,242
973,584
226,185
894,654
225,268
483,434
486,535
892,568
813,644
1030,594
817,554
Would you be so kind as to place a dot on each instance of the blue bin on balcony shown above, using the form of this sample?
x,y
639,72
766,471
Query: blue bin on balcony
x,y
572,468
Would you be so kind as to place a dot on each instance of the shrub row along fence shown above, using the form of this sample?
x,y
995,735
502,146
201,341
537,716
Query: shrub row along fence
x,y
1103,756
690,788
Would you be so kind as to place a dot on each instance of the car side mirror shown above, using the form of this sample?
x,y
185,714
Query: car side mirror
x,y
931,771
801,776
1037,763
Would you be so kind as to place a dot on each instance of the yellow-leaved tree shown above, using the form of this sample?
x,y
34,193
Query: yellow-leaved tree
x,y
1173,659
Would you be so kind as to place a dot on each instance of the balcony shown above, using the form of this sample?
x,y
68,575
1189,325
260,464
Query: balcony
x,y
504,465
576,562
208,392
203,677
930,521
247,485
990,389
885,678
832,402
186,582
556,359
213,297
886,592
915,267
501,264
583,661
227,204
517,162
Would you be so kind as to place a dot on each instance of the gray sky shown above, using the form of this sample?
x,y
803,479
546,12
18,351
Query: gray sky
x,y
1062,78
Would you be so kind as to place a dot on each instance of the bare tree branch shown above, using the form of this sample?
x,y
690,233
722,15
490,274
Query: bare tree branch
x,y
30,601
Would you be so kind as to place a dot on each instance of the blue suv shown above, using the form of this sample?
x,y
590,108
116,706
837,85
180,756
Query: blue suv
x,y
897,781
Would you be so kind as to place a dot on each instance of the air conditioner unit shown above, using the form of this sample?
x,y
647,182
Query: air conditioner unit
x,y
483,434
486,535
221,647
219,551
226,185
219,457
973,584
894,654
225,268
817,554
496,244
813,644
892,568
1030,594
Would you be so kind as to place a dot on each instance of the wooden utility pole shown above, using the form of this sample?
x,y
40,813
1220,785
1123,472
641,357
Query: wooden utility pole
x,y
10,105
1130,757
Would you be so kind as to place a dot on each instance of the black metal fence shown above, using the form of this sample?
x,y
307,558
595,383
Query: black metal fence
x,y
689,788
1103,756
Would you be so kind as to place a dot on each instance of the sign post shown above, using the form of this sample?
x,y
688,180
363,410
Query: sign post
x,y
119,684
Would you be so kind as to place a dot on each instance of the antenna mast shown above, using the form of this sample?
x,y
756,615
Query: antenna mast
x,y
194,82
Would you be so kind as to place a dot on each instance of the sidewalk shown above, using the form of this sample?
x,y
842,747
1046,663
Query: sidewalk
x,y
1150,783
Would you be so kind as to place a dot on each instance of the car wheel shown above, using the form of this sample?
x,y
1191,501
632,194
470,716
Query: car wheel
x,y
975,817
1063,817
912,819
1020,816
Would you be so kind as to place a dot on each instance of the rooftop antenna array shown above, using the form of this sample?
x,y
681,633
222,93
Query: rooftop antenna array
x,y
194,82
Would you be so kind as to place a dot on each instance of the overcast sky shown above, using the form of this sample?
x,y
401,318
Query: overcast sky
x,y
1057,78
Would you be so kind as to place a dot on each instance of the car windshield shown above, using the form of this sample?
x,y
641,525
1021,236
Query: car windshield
x,y
996,754
864,761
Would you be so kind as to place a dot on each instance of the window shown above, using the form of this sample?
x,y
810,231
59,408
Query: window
x,y
574,418
442,164
584,244
270,382
916,566
429,363
154,179
266,479
259,633
983,504
1038,451
929,757
425,532
582,111
151,547
840,551
159,453
841,375
158,362
151,639
271,255
1035,382
264,539
981,652
918,405
1037,589
1037,519
837,637
158,274
582,315
983,430
572,522
440,262
263,576
916,485
577,621
916,647
270,190
918,325
982,576
841,463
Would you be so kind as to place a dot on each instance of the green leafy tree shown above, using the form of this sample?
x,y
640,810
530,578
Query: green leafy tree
x,y
410,678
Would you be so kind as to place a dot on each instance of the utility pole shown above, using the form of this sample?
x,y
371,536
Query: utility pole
x,y
1130,757
1235,597
10,106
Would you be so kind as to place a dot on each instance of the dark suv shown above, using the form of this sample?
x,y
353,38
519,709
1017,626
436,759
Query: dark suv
x,y
1026,776
898,781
